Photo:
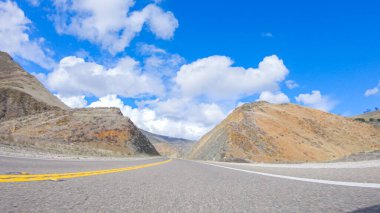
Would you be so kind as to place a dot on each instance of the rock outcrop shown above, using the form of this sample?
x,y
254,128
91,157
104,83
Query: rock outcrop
x,y
96,128
263,132
22,94
32,117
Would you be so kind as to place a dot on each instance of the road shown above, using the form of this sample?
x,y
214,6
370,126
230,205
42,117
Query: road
x,y
144,185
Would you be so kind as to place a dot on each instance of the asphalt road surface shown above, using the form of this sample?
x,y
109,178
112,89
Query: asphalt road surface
x,y
165,185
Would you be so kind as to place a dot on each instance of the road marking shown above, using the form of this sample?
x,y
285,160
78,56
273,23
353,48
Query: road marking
x,y
329,182
60,176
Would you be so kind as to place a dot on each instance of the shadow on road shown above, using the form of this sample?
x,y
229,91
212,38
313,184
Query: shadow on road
x,y
370,209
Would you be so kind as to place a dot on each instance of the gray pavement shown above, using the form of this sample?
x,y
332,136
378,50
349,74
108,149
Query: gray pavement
x,y
184,186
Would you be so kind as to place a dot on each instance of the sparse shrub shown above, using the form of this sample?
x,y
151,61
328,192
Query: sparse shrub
x,y
372,120
360,119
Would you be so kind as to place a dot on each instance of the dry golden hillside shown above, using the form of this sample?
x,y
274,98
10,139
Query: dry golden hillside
x,y
264,132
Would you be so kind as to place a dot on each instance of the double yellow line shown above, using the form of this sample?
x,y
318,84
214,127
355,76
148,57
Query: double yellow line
x,y
61,176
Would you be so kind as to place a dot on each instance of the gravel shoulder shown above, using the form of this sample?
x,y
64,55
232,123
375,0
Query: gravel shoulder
x,y
9,150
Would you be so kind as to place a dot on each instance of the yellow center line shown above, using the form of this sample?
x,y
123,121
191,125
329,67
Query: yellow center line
x,y
59,176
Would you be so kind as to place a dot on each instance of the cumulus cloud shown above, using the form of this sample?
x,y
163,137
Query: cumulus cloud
x,y
73,101
15,38
108,101
200,94
174,117
167,103
217,79
274,97
316,100
373,91
290,84
74,76
112,24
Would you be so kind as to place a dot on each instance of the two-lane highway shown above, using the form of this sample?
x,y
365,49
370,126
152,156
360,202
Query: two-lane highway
x,y
162,185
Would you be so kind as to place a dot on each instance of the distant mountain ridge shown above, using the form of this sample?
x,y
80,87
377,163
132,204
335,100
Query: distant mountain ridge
x,y
169,146
370,117
263,132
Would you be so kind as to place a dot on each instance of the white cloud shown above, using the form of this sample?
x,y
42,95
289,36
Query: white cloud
x,y
190,112
290,84
73,101
373,91
75,77
34,3
108,101
216,79
170,106
149,49
159,62
178,117
274,97
15,38
111,24
174,117
162,24
316,100
267,35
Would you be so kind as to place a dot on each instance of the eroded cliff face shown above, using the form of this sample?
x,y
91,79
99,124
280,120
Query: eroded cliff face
x,y
97,128
21,94
264,132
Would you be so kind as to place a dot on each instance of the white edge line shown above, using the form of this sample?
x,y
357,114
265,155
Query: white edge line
x,y
328,165
329,182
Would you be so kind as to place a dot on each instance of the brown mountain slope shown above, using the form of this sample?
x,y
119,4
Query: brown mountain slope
x,y
264,132
96,129
21,93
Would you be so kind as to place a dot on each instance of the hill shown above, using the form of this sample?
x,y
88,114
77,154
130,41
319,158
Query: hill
x,y
32,117
264,132
370,117
21,93
99,130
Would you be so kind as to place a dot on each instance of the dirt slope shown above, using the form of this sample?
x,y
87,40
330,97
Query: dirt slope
x,y
21,93
264,132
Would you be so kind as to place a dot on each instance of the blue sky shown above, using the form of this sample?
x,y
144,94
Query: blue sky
x,y
170,76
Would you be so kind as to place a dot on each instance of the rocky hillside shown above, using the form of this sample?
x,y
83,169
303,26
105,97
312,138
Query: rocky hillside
x,y
31,117
96,128
21,93
169,146
264,132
